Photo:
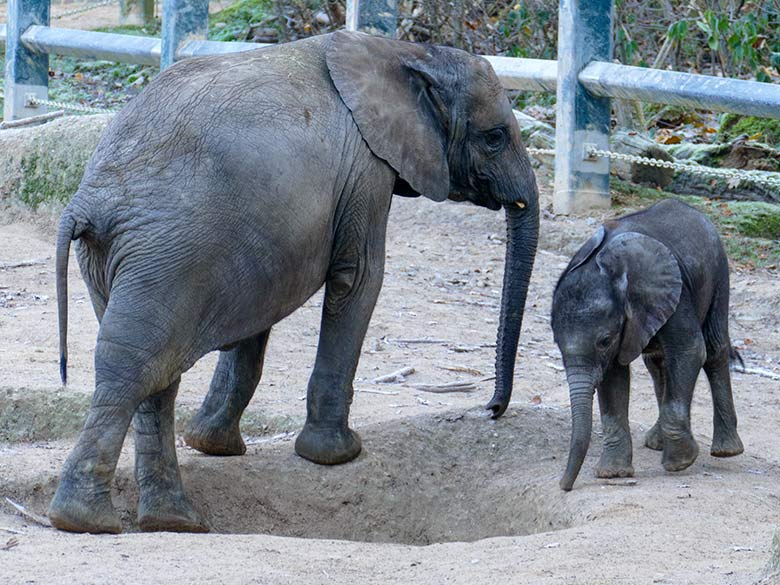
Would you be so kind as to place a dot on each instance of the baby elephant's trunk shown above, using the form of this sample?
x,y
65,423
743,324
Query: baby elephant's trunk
x,y
582,383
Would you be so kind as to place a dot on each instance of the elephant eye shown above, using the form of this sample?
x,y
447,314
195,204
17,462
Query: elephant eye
x,y
604,342
495,139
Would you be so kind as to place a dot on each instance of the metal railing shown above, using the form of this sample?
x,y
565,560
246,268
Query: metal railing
x,y
584,77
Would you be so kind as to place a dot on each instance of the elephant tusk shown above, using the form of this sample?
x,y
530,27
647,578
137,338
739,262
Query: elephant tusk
x,y
520,204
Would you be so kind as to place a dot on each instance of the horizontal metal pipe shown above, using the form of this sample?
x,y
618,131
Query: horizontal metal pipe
x,y
202,48
599,78
93,45
526,74
705,92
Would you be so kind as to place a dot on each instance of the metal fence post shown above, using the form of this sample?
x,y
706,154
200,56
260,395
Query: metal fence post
x,y
136,12
379,17
182,20
26,73
584,35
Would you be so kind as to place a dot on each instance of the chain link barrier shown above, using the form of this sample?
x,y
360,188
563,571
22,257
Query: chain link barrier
x,y
34,101
85,8
540,151
733,176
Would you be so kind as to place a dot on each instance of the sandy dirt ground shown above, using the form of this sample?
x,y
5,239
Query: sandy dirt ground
x,y
441,493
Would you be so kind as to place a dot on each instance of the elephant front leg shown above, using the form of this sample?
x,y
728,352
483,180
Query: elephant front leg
x,y
326,437
215,428
616,458
162,504
352,287
654,438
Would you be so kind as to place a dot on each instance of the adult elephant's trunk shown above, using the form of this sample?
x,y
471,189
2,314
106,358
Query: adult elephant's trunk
x,y
582,383
522,225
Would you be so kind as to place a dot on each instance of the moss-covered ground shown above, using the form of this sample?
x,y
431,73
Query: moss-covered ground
x,y
750,229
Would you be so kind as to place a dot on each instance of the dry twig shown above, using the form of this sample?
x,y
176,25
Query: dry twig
x,y
23,264
394,377
383,392
445,388
42,520
757,372
464,369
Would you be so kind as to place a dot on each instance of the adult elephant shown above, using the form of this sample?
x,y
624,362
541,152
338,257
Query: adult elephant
x,y
224,196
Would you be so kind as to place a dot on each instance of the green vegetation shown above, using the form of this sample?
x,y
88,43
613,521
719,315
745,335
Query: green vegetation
x,y
750,229
233,23
47,180
764,130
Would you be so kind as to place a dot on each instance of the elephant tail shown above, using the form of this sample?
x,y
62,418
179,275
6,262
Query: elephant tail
x,y
735,358
68,231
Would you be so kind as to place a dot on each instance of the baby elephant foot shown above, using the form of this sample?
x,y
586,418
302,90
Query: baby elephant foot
x,y
679,453
616,457
726,444
327,445
208,436
611,466
83,510
654,439
165,511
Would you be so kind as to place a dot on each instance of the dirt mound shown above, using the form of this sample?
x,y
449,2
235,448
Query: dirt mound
x,y
449,477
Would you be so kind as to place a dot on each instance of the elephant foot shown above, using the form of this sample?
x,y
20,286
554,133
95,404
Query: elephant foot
x,y
614,466
162,511
328,445
679,453
615,463
214,439
726,445
79,510
654,439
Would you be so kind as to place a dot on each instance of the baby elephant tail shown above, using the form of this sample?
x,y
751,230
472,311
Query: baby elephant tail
x,y
735,357
68,231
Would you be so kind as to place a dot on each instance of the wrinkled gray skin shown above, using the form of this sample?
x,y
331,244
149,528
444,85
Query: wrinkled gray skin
x,y
225,195
654,283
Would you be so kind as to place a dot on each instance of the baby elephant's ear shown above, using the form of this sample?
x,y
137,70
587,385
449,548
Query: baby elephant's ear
x,y
393,90
646,278
588,248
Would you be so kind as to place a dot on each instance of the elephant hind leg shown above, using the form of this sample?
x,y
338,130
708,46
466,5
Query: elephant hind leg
x,y
124,377
215,428
162,504
135,357
725,439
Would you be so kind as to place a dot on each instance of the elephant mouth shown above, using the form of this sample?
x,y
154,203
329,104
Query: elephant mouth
x,y
479,199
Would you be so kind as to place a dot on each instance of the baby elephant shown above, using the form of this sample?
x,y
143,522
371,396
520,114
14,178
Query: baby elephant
x,y
654,282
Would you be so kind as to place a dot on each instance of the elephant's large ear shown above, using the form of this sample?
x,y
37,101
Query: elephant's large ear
x,y
646,276
588,248
390,88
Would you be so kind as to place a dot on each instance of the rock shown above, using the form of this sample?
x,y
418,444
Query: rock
x,y
321,18
43,165
262,34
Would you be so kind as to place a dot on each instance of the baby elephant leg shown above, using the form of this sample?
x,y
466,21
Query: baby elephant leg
x,y
654,438
725,440
162,505
215,428
613,394
683,366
